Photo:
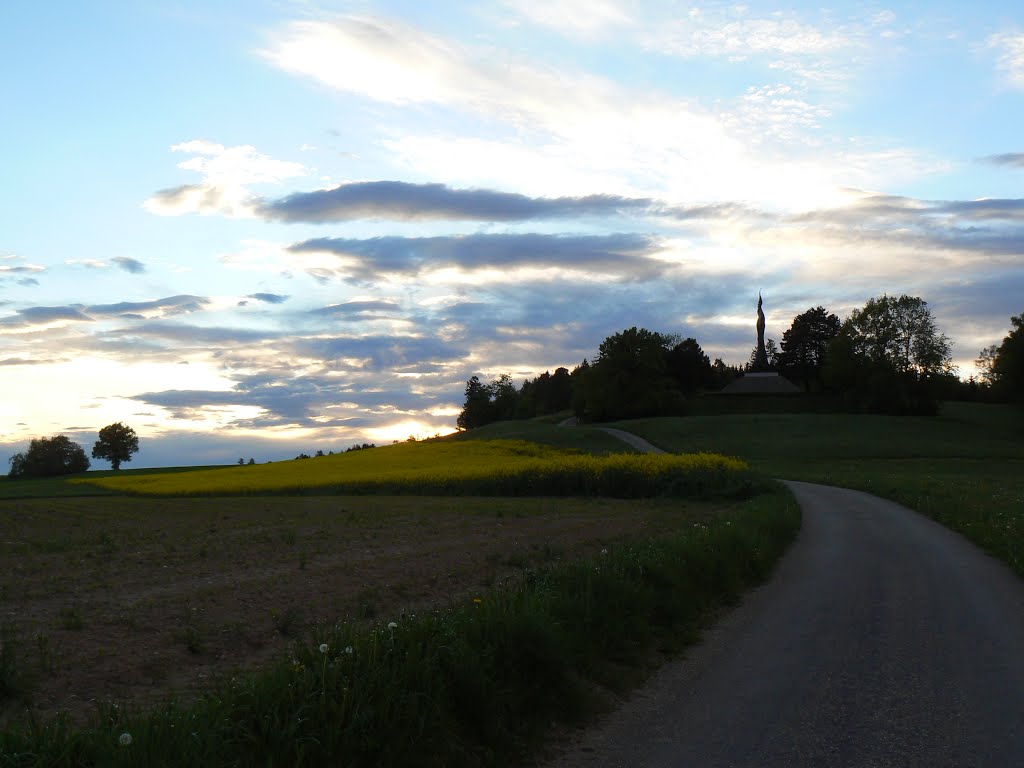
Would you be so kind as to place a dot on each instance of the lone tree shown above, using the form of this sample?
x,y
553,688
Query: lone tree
x,y
48,457
117,443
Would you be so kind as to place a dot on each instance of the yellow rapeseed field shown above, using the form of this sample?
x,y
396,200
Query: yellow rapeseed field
x,y
511,467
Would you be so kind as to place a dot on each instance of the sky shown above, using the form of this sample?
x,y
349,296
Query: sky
x,y
254,228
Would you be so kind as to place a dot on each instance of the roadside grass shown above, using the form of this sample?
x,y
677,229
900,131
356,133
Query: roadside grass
x,y
466,467
964,468
476,684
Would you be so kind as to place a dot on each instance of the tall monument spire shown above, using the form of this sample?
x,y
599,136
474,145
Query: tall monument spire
x,y
761,361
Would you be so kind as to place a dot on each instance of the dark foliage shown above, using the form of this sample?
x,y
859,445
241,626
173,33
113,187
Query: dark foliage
x,y
630,378
117,443
690,367
805,345
49,457
1007,363
889,357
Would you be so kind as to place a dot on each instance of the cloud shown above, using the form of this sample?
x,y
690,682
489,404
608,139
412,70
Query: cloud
x,y
625,255
122,262
1009,47
1014,159
227,174
268,298
558,131
18,271
356,309
739,37
166,307
195,336
586,19
43,316
26,361
134,266
414,202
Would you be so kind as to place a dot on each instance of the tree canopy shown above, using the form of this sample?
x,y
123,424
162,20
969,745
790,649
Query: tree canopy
x,y
49,457
1002,366
630,377
889,356
805,345
117,442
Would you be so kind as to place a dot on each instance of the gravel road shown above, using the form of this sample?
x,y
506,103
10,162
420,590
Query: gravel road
x,y
883,639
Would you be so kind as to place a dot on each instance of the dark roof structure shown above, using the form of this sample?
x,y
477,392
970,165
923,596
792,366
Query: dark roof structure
x,y
761,384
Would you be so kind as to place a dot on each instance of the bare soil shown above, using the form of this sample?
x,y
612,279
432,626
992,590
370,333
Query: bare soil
x,y
136,600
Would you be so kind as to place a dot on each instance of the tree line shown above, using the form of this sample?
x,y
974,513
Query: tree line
x,y
886,357
59,455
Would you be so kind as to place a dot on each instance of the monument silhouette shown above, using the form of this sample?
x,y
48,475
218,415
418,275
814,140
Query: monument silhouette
x,y
760,379
761,358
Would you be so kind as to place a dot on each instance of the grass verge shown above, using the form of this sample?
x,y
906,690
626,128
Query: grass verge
x,y
964,468
478,684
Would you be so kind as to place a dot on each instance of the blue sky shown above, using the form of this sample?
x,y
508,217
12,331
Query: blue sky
x,y
254,228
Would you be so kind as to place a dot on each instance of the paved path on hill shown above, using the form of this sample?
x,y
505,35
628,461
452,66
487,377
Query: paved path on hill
x,y
882,639
634,440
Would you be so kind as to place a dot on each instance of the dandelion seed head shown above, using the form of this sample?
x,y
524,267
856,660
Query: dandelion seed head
x,y
124,739
324,648
348,649
392,625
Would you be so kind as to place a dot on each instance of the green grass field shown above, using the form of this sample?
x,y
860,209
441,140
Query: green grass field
x,y
965,468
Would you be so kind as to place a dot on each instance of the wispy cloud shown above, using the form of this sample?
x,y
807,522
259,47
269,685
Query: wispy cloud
x,y
128,264
624,255
1013,159
365,308
585,19
269,298
227,173
1009,47
738,36
413,202
13,267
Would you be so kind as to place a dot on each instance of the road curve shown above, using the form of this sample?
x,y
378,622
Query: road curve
x,y
633,440
882,639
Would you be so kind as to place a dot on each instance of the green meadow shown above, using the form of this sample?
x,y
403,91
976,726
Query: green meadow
x,y
964,468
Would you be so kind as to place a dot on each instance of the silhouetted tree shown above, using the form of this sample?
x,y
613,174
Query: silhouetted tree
x,y
503,396
630,377
690,367
1008,366
722,374
49,457
805,345
477,410
771,352
117,442
889,356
